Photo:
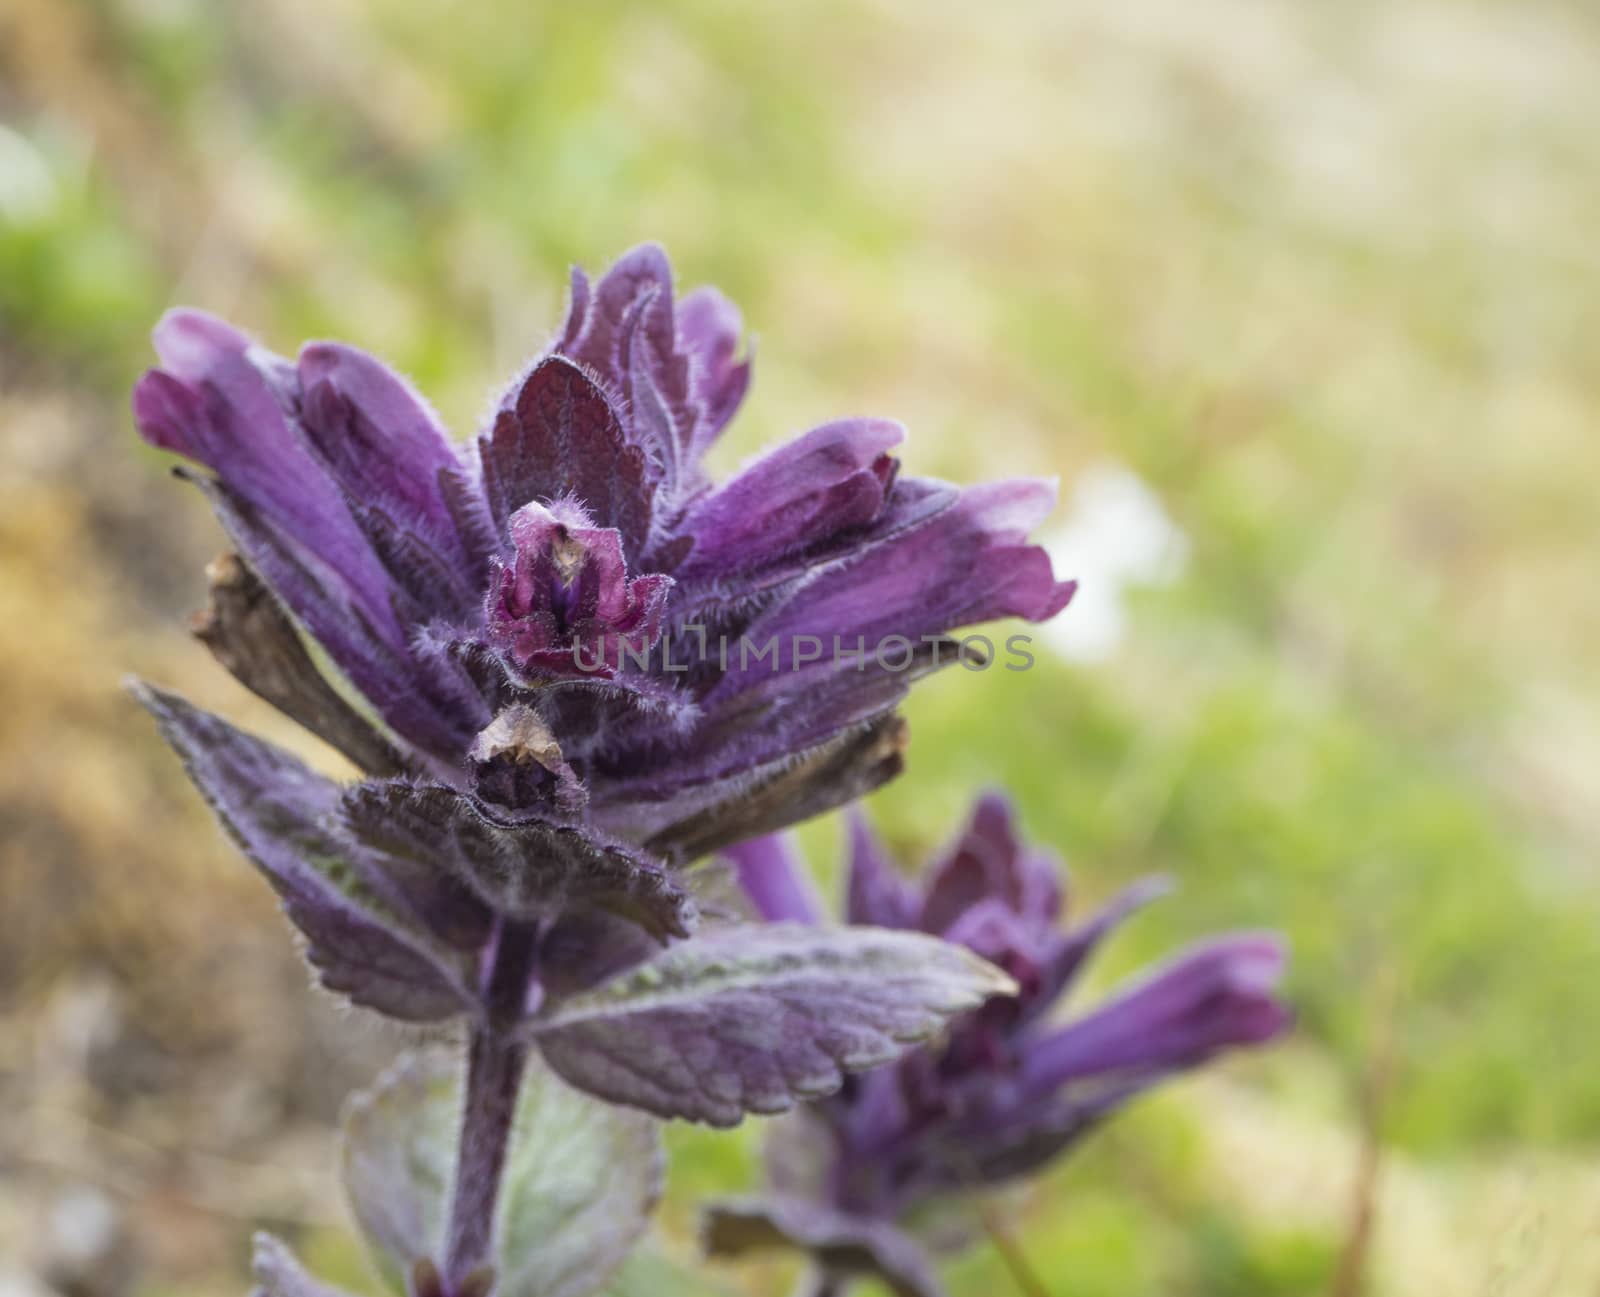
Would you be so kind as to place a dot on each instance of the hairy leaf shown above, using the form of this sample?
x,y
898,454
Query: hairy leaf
x,y
558,438
580,1182
532,869
361,929
752,1019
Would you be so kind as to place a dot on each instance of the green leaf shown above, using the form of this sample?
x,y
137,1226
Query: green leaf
x,y
580,1183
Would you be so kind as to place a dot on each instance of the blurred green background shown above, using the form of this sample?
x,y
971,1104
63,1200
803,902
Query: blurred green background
x,y
1323,277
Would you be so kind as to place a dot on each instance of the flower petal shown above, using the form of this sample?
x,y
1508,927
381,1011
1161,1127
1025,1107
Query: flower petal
x,y
334,561
832,479
878,895
428,702
772,876
965,564
710,330
987,859
392,459
1211,998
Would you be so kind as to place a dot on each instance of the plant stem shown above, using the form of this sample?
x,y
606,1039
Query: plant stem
x,y
826,1283
495,1063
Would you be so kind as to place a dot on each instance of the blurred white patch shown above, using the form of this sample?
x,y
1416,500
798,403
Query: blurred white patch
x,y
19,1283
27,188
1116,535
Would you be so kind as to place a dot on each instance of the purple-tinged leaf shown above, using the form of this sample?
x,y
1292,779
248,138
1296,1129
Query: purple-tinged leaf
x,y
558,438
841,1245
580,1181
362,931
248,631
533,869
754,1018
782,793
673,365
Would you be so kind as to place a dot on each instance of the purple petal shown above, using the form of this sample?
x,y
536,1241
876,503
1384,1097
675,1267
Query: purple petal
x,y
710,330
223,403
976,866
361,928
430,703
878,895
220,403
386,449
578,298
753,1018
655,383
987,859
773,877
965,565
1070,953
558,438
1214,997
564,606
839,1244
673,367
638,281
717,596
833,479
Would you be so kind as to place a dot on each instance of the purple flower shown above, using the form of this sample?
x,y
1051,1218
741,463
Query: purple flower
x,y
564,605
1009,1088
712,661
584,665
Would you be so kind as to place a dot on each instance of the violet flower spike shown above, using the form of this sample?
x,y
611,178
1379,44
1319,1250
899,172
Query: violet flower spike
x,y
584,665
1009,1089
